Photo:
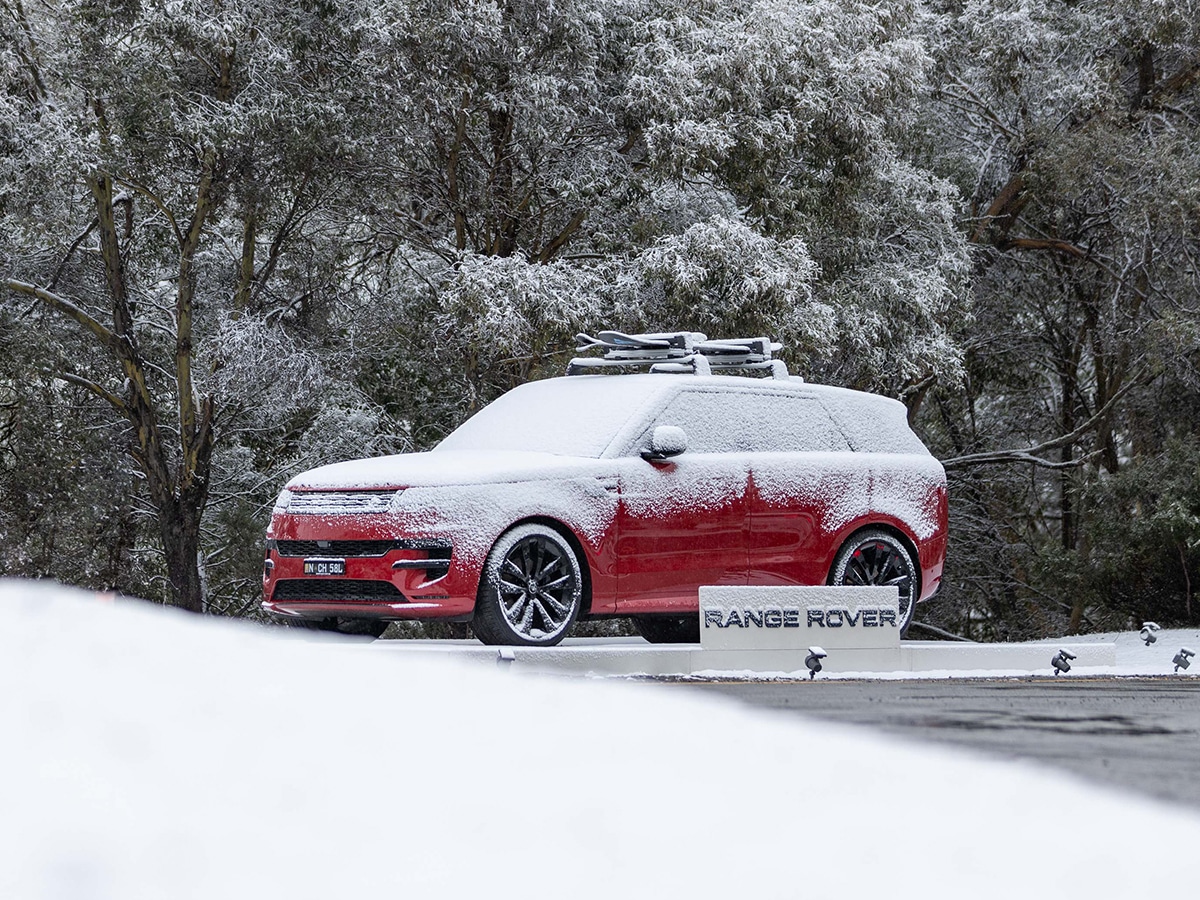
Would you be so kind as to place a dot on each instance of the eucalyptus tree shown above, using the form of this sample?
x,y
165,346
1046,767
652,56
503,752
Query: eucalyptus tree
x,y
646,164
1072,130
802,112
167,166
237,215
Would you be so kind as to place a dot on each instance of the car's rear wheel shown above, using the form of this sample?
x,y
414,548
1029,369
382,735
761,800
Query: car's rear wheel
x,y
878,558
669,629
531,590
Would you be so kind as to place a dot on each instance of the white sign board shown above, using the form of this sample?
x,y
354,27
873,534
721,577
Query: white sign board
x,y
794,618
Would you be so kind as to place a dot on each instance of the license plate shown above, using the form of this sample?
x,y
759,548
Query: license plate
x,y
324,567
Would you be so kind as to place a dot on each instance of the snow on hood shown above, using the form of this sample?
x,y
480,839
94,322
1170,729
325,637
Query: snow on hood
x,y
441,468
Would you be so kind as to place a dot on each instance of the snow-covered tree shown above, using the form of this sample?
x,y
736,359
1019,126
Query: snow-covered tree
x,y
628,146
1072,132
802,111
269,231
168,163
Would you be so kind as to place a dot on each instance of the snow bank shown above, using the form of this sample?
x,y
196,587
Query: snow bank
x,y
153,755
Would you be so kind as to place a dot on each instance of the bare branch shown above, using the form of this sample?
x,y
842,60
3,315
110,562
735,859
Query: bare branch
x,y
1029,454
940,632
184,304
290,221
29,57
117,403
154,199
563,237
1060,246
67,308
71,252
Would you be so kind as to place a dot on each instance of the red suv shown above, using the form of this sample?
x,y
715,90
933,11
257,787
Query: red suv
x,y
601,494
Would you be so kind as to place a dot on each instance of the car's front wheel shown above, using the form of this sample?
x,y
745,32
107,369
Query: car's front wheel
x,y
364,627
531,589
878,558
361,627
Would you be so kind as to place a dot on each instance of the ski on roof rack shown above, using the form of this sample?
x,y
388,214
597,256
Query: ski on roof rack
x,y
682,352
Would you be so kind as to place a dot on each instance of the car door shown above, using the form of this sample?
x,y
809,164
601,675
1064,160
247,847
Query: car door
x,y
683,521
804,483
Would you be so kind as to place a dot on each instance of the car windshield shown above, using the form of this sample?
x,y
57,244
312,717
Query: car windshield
x,y
575,416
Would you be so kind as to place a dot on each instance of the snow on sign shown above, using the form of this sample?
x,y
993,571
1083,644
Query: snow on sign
x,y
795,618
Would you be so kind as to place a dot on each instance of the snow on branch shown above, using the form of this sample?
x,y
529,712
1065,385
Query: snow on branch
x,y
1030,454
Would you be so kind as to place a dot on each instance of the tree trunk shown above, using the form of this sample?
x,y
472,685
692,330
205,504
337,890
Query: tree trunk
x,y
1065,480
179,528
1187,578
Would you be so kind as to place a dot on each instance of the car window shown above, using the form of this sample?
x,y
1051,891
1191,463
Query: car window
x,y
575,416
796,424
752,422
874,424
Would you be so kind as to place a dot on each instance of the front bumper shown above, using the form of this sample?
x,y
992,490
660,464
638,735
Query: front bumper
x,y
383,579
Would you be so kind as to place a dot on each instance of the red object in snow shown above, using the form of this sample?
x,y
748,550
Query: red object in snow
x,y
601,495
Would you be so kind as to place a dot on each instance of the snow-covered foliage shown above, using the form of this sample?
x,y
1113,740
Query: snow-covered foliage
x,y
723,276
508,305
1071,132
799,109
774,81
353,224
733,168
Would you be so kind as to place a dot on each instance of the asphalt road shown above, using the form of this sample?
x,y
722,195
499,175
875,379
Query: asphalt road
x,y
1139,733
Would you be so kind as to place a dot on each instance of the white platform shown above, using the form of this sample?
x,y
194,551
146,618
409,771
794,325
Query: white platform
x,y
624,657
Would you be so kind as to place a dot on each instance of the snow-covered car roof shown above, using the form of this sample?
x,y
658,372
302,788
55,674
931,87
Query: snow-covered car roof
x,y
598,415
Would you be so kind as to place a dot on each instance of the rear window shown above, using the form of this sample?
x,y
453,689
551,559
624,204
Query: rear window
x,y
874,424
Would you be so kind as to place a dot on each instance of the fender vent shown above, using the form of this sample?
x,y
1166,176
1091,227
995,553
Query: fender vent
x,y
339,503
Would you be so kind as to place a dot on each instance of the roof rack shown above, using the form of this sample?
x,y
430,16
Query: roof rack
x,y
681,352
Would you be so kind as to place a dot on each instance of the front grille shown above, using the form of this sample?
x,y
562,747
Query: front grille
x,y
360,548
324,503
336,589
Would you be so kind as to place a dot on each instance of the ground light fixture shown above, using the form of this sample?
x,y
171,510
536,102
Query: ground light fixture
x,y
1148,632
505,657
1061,661
1183,659
813,661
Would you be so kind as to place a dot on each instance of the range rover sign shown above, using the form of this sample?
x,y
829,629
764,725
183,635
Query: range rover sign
x,y
784,618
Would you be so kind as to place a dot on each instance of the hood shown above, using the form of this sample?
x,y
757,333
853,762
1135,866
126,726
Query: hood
x,y
442,467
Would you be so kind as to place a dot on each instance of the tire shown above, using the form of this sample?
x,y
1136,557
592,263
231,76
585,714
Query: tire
x,y
877,557
669,629
313,624
364,627
531,589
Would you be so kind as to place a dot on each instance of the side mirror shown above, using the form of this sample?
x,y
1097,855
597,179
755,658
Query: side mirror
x,y
667,441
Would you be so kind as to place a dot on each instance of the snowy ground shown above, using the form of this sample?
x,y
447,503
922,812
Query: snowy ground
x,y
1135,657
155,755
